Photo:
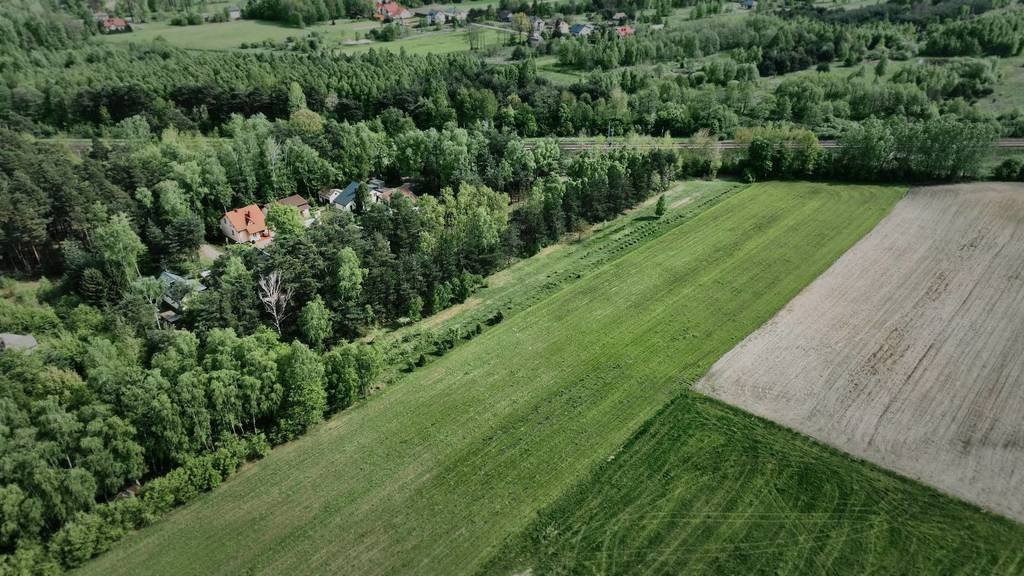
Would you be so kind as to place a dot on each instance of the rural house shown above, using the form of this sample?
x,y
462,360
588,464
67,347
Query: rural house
x,y
176,288
561,27
386,11
299,203
246,225
624,31
619,16
386,194
435,17
581,30
114,25
345,198
234,13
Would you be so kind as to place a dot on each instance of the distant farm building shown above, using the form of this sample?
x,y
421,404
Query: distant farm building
x,y
234,13
624,31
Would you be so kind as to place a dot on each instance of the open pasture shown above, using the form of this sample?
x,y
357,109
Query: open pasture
x,y
908,352
434,473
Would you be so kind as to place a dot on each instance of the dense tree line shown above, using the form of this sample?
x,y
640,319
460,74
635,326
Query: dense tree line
x,y
921,13
302,12
995,34
100,406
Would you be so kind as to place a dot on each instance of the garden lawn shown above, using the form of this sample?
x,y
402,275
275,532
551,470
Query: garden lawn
x,y
436,472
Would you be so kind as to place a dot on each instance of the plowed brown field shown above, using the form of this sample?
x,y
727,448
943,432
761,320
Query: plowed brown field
x,y
909,350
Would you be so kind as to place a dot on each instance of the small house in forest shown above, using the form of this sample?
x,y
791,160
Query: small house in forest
x,y
299,203
234,13
114,25
581,30
385,195
345,198
176,288
246,225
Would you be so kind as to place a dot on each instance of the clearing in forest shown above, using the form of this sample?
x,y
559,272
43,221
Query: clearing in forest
x,y
432,475
909,352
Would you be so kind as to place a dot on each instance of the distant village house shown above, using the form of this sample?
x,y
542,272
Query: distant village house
x,y
581,30
388,11
114,26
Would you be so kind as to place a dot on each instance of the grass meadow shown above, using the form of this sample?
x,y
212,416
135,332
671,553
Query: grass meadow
x,y
436,472
231,36
704,488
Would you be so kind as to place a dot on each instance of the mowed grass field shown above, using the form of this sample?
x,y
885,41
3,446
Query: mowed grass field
x,y
231,36
705,488
432,475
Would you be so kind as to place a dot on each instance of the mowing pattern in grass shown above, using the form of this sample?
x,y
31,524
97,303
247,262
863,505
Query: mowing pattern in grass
x,y
704,488
436,472
533,279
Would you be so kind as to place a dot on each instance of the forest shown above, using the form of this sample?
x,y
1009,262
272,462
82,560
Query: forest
x,y
114,402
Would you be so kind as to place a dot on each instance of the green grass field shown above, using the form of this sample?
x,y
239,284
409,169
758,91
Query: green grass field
x,y
437,471
705,488
530,280
231,36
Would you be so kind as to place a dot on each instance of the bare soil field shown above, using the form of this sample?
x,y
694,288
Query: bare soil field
x,y
909,350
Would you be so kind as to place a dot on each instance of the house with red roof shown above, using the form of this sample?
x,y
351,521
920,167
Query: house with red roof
x,y
246,225
113,25
386,194
391,11
624,31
